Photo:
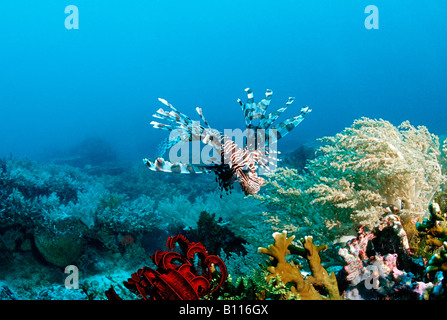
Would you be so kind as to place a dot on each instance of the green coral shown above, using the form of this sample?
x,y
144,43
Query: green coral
x,y
252,287
61,245
432,232
438,262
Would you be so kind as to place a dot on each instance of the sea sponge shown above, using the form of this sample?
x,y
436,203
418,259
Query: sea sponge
x,y
61,245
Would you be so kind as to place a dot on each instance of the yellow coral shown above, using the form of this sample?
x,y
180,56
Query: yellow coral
x,y
286,272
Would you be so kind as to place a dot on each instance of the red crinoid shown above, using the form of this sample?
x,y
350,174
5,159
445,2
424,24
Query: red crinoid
x,y
179,276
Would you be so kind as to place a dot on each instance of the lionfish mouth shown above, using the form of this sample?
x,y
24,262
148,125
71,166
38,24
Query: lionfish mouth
x,y
237,163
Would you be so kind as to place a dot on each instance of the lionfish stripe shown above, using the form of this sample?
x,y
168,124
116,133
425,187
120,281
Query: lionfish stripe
x,y
168,116
250,95
236,163
165,166
177,114
264,103
175,117
249,107
199,111
254,111
162,126
288,125
270,118
166,103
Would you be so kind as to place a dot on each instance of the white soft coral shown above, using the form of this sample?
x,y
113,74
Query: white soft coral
x,y
381,165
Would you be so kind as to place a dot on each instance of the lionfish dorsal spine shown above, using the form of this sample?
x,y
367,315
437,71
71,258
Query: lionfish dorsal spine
x,y
288,125
200,113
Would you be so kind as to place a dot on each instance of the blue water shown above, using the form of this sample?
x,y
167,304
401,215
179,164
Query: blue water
x,y
60,86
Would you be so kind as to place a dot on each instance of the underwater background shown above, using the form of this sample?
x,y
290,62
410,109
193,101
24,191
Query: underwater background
x,y
76,106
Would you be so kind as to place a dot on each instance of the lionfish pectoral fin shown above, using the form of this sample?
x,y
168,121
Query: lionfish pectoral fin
x,y
162,165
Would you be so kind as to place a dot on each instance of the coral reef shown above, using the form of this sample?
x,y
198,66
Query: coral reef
x,y
245,266
177,277
377,269
433,228
357,173
372,164
285,196
238,213
215,234
438,263
61,245
54,215
317,286
365,194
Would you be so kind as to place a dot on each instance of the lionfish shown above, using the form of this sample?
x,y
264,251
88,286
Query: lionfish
x,y
236,163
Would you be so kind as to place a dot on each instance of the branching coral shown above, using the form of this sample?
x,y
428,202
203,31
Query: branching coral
x,y
236,211
291,208
306,288
358,172
61,208
372,164
444,155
